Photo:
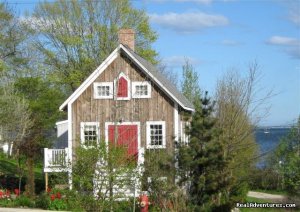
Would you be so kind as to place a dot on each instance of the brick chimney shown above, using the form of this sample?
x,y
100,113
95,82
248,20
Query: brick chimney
x,y
126,37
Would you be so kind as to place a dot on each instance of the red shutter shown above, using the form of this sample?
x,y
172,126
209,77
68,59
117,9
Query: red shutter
x,y
122,87
127,136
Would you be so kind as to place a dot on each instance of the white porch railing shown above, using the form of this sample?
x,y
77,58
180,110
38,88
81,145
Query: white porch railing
x,y
56,160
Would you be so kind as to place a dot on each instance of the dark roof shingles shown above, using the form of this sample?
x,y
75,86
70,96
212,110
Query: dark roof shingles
x,y
166,83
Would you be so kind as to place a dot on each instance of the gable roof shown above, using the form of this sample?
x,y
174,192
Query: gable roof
x,y
149,69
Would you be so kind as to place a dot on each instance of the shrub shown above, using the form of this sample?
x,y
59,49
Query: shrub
x,y
24,202
58,204
42,201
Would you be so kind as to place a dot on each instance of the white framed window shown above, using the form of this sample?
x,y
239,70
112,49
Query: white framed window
x,y
103,90
141,89
89,133
156,134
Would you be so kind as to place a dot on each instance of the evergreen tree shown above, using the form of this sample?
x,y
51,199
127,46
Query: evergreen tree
x,y
202,162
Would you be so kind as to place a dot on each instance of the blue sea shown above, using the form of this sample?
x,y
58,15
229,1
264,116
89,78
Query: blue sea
x,y
268,139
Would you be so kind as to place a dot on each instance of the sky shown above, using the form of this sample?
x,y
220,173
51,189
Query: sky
x,y
220,35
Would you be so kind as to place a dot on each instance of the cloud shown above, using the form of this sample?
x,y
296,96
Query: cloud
x,y
295,17
179,61
188,22
293,11
289,45
230,43
280,40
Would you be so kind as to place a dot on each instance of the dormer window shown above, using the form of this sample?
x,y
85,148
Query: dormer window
x,y
141,90
122,87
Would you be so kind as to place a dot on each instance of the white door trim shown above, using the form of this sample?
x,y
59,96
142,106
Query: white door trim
x,y
140,156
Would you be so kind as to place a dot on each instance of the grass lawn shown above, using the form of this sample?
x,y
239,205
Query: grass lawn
x,y
256,200
9,169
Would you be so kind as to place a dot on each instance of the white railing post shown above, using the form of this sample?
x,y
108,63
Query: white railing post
x,y
46,163
67,158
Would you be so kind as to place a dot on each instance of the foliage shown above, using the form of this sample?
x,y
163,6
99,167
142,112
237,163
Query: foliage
x,y
158,177
190,84
265,179
42,201
74,37
43,103
24,201
235,118
11,41
99,172
202,163
286,159
14,116
57,204
9,177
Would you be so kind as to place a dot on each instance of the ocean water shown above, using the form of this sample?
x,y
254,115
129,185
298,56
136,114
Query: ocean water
x,y
267,140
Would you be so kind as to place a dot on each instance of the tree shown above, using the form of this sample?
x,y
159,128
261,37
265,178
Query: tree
x,y
75,37
190,84
14,117
237,109
286,160
43,99
12,38
202,161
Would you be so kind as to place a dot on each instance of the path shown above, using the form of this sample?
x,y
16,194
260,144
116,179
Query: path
x,y
271,197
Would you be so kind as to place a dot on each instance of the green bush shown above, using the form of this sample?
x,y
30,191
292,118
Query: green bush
x,y
42,201
24,202
58,204
6,203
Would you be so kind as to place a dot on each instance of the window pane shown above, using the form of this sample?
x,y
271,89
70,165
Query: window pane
x,y
90,135
103,90
141,90
156,134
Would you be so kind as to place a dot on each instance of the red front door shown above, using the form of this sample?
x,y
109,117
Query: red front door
x,y
127,136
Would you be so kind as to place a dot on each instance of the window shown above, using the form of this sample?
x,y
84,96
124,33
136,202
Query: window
x,y
89,133
141,90
103,90
156,134
122,87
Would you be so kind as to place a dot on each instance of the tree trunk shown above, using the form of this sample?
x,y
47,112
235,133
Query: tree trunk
x,y
30,191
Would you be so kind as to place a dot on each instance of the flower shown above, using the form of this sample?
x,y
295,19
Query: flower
x,y
48,190
52,197
58,195
7,193
17,191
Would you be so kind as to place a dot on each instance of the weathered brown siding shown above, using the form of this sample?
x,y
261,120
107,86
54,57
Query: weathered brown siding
x,y
157,108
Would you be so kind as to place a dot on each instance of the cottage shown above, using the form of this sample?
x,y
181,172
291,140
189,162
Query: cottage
x,y
125,93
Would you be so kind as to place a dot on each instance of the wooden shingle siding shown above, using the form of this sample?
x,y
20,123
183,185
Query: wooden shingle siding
x,y
157,108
